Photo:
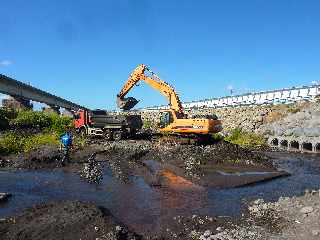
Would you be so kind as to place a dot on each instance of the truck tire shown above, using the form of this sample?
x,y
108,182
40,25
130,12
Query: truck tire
x,y
117,135
108,135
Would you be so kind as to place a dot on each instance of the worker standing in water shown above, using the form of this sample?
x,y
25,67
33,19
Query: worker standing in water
x,y
66,141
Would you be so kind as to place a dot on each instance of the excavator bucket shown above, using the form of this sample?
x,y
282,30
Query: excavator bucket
x,y
126,103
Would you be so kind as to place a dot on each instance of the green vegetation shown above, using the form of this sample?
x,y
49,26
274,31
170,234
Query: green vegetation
x,y
50,122
50,127
245,139
147,124
79,142
217,137
17,143
293,109
5,115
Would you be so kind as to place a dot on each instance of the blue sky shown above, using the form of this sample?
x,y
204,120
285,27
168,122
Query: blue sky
x,y
85,50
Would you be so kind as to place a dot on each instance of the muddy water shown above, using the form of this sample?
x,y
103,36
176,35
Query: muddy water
x,y
135,203
147,208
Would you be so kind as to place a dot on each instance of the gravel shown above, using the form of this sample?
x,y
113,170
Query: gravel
x,y
287,219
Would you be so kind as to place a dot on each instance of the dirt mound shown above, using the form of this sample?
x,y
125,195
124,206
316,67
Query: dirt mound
x,y
188,161
46,156
67,220
220,152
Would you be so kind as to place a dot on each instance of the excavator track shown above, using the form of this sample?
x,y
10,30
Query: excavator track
x,y
182,139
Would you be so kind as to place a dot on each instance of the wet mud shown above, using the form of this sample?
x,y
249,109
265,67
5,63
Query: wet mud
x,y
64,220
162,191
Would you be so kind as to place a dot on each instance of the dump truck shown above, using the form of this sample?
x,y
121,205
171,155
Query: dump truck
x,y
110,127
173,121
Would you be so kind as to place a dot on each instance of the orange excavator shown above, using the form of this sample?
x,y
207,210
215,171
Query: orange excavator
x,y
173,121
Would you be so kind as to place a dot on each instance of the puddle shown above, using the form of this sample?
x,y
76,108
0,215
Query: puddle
x,y
146,208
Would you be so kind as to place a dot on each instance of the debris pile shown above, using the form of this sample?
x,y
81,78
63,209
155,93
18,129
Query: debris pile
x,y
288,219
92,170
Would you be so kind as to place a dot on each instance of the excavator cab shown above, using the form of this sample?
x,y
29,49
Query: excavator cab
x,y
165,119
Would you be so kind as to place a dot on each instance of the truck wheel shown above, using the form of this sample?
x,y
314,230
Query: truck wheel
x,y
117,135
108,135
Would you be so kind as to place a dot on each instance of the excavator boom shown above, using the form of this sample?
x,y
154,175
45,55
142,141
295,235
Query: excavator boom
x,y
172,121
155,82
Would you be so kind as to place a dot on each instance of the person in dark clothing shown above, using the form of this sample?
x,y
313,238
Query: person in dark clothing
x,y
66,141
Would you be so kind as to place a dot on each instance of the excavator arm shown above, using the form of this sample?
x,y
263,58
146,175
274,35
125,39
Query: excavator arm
x,y
155,82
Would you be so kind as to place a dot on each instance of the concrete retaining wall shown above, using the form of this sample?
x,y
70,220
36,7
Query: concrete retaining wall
x,y
301,144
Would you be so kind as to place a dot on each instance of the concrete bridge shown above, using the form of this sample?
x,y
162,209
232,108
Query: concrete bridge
x,y
23,93
280,96
301,144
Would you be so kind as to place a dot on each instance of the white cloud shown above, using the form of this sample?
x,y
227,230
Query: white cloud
x,y
5,63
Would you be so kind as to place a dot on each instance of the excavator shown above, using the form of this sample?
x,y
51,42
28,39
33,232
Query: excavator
x,y
172,121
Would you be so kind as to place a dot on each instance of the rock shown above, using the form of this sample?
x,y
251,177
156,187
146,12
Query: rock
x,y
306,210
315,232
207,233
4,196
258,201
118,228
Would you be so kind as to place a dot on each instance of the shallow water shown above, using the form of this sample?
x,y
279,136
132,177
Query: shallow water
x,y
145,208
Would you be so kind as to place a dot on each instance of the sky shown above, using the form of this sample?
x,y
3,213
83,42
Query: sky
x,y
84,51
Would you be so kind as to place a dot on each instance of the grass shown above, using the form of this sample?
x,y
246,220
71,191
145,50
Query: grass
x,y
293,109
18,143
245,139
50,125
217,137
79,142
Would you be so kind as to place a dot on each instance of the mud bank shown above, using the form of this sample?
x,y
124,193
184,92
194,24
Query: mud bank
x,y
158,191
64,220
216,165
170,213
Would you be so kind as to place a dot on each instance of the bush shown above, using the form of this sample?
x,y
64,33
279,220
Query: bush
x,y
51,122
245,139
217,137
17,143
59,123
79,142
5,115
293,109
31,119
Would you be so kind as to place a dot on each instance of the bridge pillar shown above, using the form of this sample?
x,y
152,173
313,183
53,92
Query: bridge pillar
x,y
17,103
52,108
55,109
